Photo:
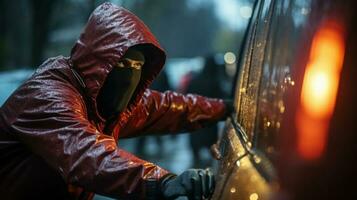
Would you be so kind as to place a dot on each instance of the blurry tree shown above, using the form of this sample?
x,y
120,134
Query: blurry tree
x,y
32,30
14,33
41,16
228,40
2,33
67,21
183,31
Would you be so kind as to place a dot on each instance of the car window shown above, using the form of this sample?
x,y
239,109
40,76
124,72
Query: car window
x,y
275,78
250,69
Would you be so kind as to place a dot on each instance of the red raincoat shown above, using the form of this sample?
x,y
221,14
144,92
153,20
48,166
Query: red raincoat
x,y
53,142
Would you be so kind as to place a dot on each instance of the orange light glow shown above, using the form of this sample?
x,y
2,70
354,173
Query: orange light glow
x,y
319,90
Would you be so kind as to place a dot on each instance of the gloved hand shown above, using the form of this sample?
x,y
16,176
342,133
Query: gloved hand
x,y
195,184
229,107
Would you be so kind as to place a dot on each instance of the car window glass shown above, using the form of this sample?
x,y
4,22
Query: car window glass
x,y
287,20
244,61
248,82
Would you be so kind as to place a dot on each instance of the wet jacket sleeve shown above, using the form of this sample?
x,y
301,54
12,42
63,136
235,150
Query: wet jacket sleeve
x,y
172,112
52,123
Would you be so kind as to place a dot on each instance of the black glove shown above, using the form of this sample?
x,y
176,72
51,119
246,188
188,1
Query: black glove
x,y
229,107
195,184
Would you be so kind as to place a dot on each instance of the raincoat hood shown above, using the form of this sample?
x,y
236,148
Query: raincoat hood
x,y
109,33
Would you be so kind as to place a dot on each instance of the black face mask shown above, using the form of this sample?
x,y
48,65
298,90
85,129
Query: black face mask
x,y
117,90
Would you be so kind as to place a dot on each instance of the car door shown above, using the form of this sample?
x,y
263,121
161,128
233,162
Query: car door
x,y
248,145
238,175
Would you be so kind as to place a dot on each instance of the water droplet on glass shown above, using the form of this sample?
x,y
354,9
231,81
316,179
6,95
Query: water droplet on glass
x,y
238,163
233,190
257,159
253,196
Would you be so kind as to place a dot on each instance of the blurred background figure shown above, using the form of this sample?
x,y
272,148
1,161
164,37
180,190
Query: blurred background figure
x,y
208,82
185,81
161,83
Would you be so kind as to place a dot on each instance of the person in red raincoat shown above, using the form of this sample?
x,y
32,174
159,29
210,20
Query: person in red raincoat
x,y
59,129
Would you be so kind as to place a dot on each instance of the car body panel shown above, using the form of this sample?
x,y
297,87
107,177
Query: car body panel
x,y
272,61
241,177
239,169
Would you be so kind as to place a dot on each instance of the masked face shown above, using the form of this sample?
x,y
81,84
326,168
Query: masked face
x,y
120,84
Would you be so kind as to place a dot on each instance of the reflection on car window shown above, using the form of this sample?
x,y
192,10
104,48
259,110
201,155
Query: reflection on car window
x,y
276,77
248,82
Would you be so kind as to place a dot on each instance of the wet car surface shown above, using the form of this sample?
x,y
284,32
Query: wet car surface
x,y
265,147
